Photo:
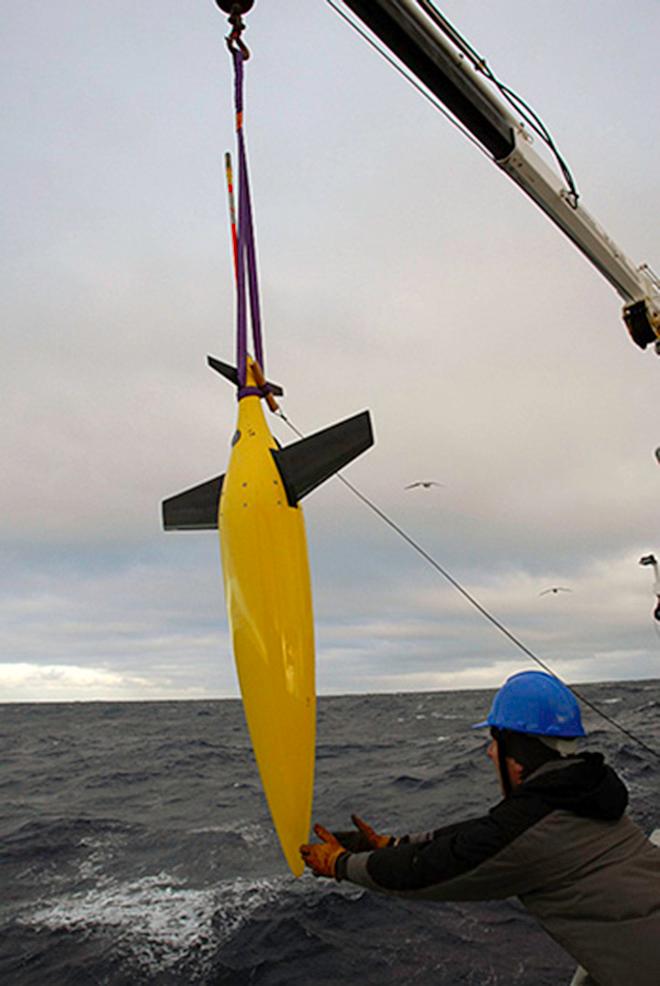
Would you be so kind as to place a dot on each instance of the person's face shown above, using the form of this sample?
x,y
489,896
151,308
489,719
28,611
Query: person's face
x,y
514,768
493,754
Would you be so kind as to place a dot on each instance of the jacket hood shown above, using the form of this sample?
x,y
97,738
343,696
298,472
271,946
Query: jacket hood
x,y
582,784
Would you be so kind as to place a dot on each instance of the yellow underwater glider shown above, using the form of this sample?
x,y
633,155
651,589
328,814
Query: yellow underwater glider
x,y
256,508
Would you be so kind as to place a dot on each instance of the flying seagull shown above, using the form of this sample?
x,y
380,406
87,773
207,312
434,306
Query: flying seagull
x,y
555,589
426,483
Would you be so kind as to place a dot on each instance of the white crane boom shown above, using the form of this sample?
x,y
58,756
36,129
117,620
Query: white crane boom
x,y
421,38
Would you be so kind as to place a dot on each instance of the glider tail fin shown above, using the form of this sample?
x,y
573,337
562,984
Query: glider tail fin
x,y
306,464
195,509
230,373
303,466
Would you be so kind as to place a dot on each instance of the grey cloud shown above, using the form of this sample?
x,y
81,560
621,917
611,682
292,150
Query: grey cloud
x,y
400,272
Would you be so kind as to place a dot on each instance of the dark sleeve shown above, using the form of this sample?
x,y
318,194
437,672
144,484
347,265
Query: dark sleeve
x,y
355,841
418,837
444,867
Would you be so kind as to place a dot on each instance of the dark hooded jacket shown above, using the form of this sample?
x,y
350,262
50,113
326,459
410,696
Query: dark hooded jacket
x,y
562,843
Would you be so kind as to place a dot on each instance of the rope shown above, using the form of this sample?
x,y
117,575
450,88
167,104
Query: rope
x,y
410,78
480,64
247,282
474,602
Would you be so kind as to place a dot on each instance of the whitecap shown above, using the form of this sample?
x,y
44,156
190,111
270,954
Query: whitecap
x,y
157,920
250,832
101,850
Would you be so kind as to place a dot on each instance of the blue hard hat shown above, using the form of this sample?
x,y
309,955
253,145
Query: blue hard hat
x,y
537,703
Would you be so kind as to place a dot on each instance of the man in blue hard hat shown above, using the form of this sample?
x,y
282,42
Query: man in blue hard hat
x,y
559,840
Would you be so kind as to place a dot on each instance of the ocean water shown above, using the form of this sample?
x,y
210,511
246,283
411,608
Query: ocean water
x,y
136,846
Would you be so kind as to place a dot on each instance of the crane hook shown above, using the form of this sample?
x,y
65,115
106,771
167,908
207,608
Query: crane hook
x,y
235,11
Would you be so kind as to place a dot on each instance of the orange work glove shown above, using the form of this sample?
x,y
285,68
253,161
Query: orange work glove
x,y
370,836
321,857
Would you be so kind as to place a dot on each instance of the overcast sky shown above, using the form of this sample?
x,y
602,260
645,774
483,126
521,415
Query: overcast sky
x,y
400,271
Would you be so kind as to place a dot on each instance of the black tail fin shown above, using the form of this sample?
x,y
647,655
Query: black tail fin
x,y
195,509
230,373
306,464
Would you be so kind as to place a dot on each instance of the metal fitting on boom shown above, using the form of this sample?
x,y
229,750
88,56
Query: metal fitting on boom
x,y
230,5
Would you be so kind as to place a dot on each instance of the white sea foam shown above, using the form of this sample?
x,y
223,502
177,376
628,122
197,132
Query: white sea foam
x,y
250,832
101,850
157,920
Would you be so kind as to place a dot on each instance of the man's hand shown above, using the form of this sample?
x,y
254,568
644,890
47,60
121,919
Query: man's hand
x,y
365,839
321,857
373,839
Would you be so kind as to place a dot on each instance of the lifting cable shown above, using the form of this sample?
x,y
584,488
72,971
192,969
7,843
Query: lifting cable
x,y
480,64
409,77
474,602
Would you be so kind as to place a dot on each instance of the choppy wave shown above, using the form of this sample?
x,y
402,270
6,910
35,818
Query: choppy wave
x,y
137,847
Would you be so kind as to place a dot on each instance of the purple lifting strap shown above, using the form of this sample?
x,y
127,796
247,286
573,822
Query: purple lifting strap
x,y
246,268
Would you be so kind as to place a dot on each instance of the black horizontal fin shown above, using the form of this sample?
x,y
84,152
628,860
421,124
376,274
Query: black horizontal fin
x,y
230,373
224,369
195,509
306,464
